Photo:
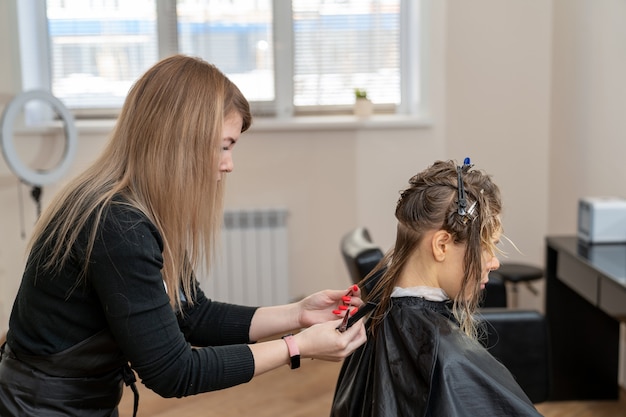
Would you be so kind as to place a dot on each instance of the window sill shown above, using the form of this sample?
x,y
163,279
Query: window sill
x,y
267,124
347,122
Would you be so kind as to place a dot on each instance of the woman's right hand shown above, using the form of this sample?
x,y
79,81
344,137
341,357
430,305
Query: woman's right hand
x,y
320,341
324,341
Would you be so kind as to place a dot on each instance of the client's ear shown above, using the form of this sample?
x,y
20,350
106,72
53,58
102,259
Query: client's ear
x,y
440,241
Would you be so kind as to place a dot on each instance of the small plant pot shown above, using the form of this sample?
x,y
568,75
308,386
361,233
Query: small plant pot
x,y
363,107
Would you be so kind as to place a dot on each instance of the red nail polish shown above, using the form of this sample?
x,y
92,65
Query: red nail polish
x,y
343,308
353,312
346,298
355,288
338,312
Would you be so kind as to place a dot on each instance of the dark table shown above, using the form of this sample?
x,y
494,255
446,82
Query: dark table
x,y
585,302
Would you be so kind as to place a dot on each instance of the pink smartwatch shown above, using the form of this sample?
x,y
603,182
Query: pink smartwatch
x,y
294,352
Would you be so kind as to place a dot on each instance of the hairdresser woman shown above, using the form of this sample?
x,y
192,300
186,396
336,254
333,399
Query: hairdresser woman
x,y
109,284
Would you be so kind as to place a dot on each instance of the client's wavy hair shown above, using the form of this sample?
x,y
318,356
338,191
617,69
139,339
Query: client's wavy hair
x,y
432,203
163,158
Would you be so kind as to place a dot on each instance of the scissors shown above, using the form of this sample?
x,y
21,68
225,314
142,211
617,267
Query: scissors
x,y
349,320
344,323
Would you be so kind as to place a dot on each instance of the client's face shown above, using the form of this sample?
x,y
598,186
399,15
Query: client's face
x,y
456,268
489,260
489,263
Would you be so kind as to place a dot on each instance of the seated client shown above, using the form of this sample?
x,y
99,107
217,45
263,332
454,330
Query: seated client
x,y
422,356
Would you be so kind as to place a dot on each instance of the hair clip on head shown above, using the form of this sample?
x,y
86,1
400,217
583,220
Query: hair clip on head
x,y
462,209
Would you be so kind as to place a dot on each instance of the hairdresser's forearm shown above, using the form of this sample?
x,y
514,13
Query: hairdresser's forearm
x,y
275,320
269,355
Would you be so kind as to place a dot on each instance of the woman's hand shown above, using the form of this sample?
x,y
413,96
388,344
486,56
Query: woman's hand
x,y
328,305
320,341
320,315
317,308
324,341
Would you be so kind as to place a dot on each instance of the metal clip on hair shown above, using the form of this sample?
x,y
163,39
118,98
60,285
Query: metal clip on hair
x,y
462,209
462,201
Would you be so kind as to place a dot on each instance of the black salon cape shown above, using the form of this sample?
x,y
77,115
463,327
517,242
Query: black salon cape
x,y
419,363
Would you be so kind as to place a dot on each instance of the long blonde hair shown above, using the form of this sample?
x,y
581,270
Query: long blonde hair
x,y
431,202
162,158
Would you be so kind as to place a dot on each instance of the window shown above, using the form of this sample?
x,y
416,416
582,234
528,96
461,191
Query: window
x,y
287,57
98,48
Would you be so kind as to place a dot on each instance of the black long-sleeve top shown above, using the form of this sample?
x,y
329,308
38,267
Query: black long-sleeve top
x,y
124,292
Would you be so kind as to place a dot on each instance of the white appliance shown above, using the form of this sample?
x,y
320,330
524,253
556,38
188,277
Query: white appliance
x,y
602,219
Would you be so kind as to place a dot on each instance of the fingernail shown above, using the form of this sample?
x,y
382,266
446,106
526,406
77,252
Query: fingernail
x,y
355,288
353,312
338,312
343,308
346,298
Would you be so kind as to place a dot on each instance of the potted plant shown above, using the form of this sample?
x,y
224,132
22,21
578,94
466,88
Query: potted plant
x,y
363,106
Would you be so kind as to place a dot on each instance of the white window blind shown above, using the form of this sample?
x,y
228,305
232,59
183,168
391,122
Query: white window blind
x,y
344,45
99,48
294,55
236,36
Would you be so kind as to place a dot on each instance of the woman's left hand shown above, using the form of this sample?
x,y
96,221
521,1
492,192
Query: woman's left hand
x,y
328,305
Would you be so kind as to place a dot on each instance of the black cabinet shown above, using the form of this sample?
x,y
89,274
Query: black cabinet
x,y
585,301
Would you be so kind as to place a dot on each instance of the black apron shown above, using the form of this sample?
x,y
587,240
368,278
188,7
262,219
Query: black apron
x,y
84,380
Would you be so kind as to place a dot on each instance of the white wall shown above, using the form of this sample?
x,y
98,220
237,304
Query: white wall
x,y
497,110
331,182
589,100
490,69
9,85
10,79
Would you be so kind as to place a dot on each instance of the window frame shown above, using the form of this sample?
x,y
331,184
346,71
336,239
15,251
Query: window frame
x,y
34,38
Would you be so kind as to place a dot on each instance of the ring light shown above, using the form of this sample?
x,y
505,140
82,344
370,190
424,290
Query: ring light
x,y
28,175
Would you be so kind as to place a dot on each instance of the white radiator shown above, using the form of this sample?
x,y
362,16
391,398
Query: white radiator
x,y
251,266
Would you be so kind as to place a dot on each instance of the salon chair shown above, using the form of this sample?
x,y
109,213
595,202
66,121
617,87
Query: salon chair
x,y
517,338
517,274
360,254
494,294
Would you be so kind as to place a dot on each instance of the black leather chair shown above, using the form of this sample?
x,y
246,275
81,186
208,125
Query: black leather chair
x,y
360,254
518,338
516,274
494,294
